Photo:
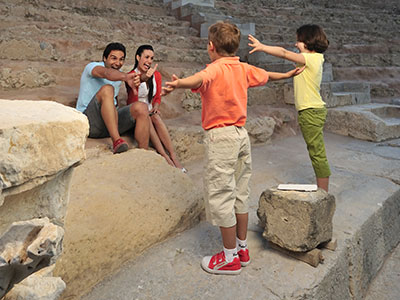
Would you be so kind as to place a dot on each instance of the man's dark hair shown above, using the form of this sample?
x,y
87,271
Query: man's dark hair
x,y
113,46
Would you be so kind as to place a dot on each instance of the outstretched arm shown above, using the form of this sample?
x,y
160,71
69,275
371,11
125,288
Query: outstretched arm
x,y
278,76
132,79
276,51
191,82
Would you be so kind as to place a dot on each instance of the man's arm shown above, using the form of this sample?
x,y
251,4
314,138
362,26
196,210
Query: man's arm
x,y
132,79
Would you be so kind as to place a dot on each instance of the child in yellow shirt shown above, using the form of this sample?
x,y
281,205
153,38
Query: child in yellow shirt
x,y
311,42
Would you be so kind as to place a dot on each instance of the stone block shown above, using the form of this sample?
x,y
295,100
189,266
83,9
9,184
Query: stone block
x,y
295,220
38,139
27,247
260,129
372,122
178,3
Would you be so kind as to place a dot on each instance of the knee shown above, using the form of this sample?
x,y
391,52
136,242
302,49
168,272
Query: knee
x,y
156,119
139,109
105,93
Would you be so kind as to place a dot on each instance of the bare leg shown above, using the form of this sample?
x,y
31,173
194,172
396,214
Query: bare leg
x,y
140,112
108,111
155,140
229,237
323,183
165,138
241,226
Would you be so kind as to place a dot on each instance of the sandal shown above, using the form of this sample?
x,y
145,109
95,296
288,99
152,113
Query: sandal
x,y
120,146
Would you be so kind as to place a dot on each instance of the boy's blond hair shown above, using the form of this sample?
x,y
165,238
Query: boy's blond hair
x,y
226,38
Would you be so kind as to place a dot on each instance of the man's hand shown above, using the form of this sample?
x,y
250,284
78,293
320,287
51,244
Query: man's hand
x,y
133,80
170,85
257,46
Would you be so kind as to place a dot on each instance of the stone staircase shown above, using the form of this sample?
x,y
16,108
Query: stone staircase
x,y
356,43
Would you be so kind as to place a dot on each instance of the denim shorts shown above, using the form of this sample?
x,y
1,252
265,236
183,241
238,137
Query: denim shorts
x,y
97,128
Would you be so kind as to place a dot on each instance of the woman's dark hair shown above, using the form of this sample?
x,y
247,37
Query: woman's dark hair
x,y
314,37
113,46
139,52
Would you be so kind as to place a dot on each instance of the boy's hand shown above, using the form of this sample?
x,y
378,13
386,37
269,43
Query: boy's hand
x,y
170,85
257,46
296,71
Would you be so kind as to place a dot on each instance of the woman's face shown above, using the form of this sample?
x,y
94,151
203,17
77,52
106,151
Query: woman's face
x,y
145,60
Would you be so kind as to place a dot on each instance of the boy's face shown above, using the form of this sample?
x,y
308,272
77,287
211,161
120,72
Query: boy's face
x,y
115,59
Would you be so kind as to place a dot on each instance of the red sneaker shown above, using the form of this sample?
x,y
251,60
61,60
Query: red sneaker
x,y
217,264
120,146
244,257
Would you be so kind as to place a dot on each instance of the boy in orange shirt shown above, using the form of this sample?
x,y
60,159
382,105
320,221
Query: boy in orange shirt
x,y
223,87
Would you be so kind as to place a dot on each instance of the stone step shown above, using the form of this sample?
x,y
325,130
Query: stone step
x,y
374,122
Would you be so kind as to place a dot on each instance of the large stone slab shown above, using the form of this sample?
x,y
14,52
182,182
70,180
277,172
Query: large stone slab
x,y
295,220
121,205
372,122
38,139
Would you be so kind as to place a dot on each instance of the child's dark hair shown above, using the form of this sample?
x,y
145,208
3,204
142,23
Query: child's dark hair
x,y
225,37
314,37
113,46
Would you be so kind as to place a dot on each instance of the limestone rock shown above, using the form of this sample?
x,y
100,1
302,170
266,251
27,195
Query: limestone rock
x,y
39,286
297,221
260,129
129,202
26,247
38,139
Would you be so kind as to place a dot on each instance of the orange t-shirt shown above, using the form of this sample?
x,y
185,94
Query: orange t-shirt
x,y
224,91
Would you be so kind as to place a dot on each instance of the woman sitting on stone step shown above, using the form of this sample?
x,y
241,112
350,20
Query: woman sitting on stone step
x,y
149,92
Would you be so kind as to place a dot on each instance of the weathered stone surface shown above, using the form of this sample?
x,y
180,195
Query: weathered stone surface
x,y
297,221
188,141
38,139
372,122
120,205
260,129
26,247
39,286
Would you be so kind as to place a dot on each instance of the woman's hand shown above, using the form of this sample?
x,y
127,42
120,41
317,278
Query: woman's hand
x,y
155,109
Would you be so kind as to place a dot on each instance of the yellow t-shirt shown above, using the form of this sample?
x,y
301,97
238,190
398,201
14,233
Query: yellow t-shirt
x,y
307,84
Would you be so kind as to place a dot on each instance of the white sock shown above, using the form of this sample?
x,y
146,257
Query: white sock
x,y
241,244
230,254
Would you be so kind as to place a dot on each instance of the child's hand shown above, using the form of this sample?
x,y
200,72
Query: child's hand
x,y
170,85
295,71
257,46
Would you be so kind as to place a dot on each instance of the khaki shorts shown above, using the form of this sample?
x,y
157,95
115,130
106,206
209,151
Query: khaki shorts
x,y
227,174
312,123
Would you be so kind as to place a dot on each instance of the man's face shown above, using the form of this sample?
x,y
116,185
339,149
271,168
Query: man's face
x,y
115,59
